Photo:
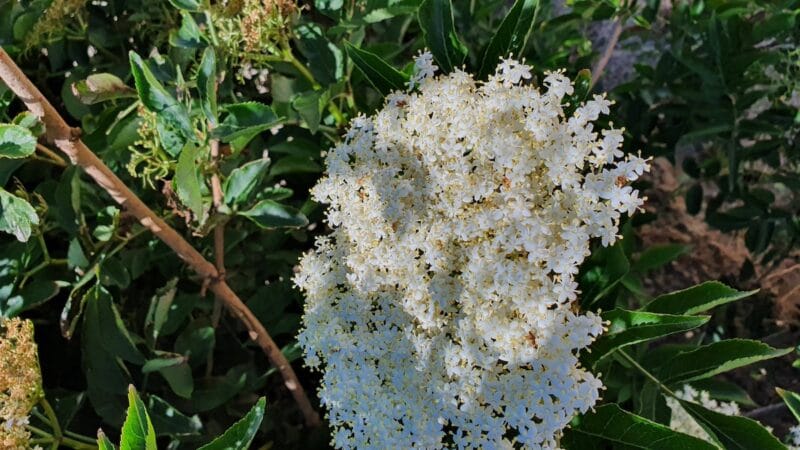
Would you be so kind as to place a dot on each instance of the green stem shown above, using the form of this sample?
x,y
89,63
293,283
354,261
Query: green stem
x,y
645,372
51,415
80,437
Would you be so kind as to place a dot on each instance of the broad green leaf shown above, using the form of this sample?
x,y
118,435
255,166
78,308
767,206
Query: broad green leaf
x,y
169,421
659,255
378,72
207,85
512,35
696,299
271,214
716,358
137,432
276,193
651,404
309,106
187,180
116,338
186,5
174,125
246,120
175,369
792,400
76,258
16,141
294,164
30,121
436,20
188,35
241,434
733,432
633,327
196,342
242,181
327,59
101,87
103,443
724,390
17,216
612,424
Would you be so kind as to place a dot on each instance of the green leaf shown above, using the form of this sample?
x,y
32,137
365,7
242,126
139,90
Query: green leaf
x,y
161,307
103,443
186,5
659,255
101,87
709,360
792,400
16,141
175,369
137,432
196,342
116,339
169,421
696,299
327,60
270,214
188,35
724,390
612,424
17,216
30,121
512,35
243,180
174,125
378,72
294,164
207,85
241,434
246,120
309,106
436,20
187,180
733,432
634,327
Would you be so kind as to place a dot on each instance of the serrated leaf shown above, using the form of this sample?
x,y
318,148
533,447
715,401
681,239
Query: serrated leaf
x,y
173,125
187,181
270,214
612,424
103,442
732,432
634,327
243,180
101,87
17,216
241,434
246,120
436,21
696,299
207,85
792,400
709,360
309,107
512,35
16,141
328,62
378,72
137,432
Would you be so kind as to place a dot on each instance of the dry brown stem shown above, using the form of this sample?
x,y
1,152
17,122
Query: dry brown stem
x,y
67,140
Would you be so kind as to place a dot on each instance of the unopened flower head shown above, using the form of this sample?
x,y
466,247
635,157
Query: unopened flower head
x,y
441,307
20,381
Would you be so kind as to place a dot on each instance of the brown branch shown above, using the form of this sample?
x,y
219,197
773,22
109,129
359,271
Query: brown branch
x,y
600,65
66,139
219,240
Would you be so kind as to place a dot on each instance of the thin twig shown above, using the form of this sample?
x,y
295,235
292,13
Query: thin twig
x,y
67,140
52,156
219,241
600,65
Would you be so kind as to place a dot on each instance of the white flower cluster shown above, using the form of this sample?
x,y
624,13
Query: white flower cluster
x,y
441,308
683,422
794,438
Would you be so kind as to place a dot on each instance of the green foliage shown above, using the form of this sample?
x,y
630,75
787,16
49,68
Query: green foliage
x,y
155,86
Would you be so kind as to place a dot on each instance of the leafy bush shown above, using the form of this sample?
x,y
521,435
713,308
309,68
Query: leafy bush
x,y
206,124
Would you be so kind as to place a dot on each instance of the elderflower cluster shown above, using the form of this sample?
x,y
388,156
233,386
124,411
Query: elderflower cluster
x,y
441,308
20,382
683,422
